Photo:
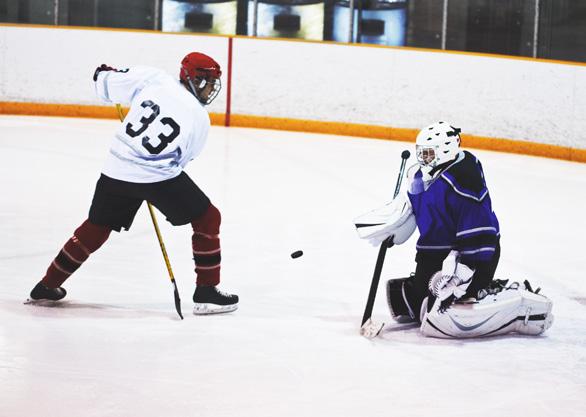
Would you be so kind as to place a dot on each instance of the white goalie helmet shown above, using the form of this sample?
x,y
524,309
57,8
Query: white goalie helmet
x,y
436,144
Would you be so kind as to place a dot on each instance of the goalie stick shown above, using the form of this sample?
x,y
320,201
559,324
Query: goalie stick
x,y
160,239
368,328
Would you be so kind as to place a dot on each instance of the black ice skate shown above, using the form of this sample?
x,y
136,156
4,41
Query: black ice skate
x,y
41,294
210,300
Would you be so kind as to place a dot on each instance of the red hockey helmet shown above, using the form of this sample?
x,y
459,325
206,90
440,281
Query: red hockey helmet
x,y
201,75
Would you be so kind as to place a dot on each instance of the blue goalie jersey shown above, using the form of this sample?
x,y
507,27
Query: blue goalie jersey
x,y
453,211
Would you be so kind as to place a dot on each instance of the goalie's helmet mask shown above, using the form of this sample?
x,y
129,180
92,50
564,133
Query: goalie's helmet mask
x,y
437,144
201,75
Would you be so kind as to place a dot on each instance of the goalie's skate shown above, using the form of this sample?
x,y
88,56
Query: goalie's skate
x,y
210,300
42,295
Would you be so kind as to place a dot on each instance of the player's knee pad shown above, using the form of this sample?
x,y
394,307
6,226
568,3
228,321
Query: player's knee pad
x,y
399,300
209,222
513,310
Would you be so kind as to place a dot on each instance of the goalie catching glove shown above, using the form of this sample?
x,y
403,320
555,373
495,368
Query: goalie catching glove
x,y
393,219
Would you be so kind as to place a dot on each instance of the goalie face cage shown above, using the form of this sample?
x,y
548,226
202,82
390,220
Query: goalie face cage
x,y
426,155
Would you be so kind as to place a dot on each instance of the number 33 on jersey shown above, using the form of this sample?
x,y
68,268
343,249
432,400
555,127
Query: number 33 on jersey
x,y
165,128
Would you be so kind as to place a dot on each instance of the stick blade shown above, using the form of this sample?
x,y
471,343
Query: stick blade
x,y
370,329
177,301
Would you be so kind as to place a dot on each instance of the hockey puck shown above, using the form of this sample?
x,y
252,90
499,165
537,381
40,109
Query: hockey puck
x,y
296,254
406,154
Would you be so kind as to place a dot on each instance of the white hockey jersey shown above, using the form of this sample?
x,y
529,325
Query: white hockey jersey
x,y
165,128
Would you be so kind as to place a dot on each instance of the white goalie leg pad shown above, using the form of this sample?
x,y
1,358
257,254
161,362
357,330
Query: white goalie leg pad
x,y
509,311
395,218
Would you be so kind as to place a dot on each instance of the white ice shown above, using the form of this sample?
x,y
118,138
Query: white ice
x,y
116,347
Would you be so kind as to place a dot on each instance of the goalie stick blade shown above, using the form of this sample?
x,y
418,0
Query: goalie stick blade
x,y
370,330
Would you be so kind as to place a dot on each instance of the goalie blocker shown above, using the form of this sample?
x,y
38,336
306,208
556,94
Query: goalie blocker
x,y
393,219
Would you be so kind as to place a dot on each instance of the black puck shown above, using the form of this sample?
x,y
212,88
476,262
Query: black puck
x,y
406,154
296,254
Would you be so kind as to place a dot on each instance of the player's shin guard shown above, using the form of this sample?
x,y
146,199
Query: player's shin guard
x,y
86,239
206,247
515,309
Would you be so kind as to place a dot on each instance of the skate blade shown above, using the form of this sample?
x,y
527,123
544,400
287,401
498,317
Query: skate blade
x,y
370,330
202,309
42,303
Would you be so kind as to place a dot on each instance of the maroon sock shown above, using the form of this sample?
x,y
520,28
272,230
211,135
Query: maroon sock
x,y
206,246
86,239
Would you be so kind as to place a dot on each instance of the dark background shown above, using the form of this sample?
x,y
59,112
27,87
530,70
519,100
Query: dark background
x,y
491,26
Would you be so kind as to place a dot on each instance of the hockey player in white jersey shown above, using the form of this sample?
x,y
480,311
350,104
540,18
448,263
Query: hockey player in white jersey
x,y
452,292
166,127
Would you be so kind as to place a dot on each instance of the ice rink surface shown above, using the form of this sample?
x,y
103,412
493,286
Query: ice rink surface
x,y
116,348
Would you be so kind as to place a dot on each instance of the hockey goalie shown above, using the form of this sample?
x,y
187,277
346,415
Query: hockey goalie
x,y
453,293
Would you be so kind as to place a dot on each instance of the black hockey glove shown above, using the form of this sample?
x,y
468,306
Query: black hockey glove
x,y
105,67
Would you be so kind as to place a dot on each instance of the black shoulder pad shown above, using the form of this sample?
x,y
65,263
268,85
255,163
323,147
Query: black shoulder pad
x,y
467,178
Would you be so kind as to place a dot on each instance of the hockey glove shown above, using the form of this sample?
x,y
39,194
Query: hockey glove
x,y
105,67
393,219
453,280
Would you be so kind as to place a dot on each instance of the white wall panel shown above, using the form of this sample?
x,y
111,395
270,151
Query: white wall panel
x,y
316,81
486,96
56,65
